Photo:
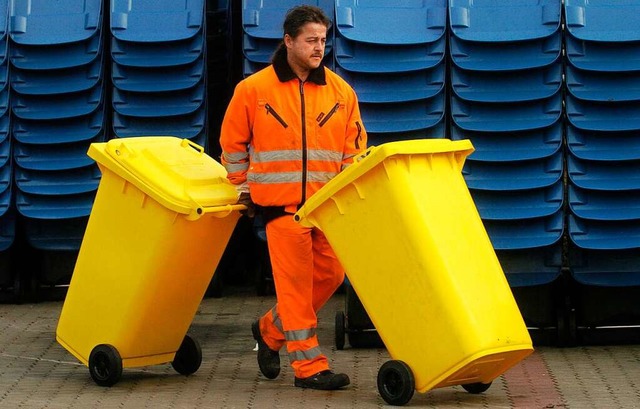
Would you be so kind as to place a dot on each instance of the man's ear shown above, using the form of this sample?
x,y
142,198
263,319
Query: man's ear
x,y
288,41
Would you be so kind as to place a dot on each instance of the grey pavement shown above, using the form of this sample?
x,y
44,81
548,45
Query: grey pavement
x,y
36,372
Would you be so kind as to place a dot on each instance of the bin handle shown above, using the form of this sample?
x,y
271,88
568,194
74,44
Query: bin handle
x,y
220,211
365,153
185,142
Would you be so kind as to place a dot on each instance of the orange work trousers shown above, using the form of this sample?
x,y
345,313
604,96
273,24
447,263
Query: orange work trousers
x,y
306,273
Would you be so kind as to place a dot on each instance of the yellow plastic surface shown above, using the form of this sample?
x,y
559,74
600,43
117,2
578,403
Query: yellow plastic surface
x,y
175,172
144,267
404,226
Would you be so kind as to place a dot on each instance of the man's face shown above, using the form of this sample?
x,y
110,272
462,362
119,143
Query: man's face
x,y
306,50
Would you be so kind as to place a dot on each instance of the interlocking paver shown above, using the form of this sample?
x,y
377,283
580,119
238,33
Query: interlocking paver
x,y
36,372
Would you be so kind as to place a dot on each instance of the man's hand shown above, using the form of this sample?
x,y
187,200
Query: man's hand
x,y
245,199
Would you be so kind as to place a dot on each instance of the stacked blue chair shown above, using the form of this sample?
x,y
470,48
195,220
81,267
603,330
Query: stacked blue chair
x,y
262,30
603,139
506,81
392,53
57,109
158,77
7,218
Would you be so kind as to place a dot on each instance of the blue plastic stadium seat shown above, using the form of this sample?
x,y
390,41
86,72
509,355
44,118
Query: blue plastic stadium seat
x,y
263,18
602,56
517,175
46,22
525,233
61,182
59,130
391,22
505,56
155,104
396,87
183,126
55,234
156,20
53,156
512,146
60,56
66,80
519,204
7,221
435,132
54,207
165,54
531,267
403,116
605,267
603,20
604,235
497,21
365,57
58,106
603,116
603,86
506,116
604,204
603,145
604,175
507,86
152,79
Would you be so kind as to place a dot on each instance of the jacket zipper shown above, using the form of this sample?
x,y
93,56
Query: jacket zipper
x,y
359,136
273,112
330,114
304,145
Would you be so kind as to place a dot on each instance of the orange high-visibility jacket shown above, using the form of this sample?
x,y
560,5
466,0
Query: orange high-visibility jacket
x,y
287,138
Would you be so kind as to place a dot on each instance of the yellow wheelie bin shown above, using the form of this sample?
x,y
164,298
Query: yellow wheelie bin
x,y
404,226
162,217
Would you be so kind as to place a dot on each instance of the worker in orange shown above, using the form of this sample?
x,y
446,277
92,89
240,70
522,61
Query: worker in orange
x,y
289,129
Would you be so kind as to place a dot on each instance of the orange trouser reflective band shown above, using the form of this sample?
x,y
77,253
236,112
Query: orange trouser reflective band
x,y
306,273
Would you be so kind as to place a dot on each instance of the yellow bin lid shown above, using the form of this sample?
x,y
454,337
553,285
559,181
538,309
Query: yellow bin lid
x,y
175,172
374,156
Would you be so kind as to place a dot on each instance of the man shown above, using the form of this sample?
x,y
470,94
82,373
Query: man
x,y
288,130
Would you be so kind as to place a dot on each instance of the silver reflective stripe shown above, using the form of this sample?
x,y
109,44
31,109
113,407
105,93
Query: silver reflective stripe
x,y
276,319
275,177
321,155
235,157
299,335
236,167
348,156
320,176
325,155
289,177
275,156
305,355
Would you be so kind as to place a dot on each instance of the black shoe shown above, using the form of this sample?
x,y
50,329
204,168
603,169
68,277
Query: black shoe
x,y
268,360
326,380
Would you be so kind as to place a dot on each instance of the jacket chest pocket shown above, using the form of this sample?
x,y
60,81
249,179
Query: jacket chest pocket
x,y
270,111
323,118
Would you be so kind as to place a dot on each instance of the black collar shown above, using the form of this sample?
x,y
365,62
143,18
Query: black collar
x,y
285,73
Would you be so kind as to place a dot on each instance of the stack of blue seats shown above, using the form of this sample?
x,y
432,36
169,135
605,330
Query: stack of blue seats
x,y
392,53
506,80
603,138
158,54
7,221
262,30
58,109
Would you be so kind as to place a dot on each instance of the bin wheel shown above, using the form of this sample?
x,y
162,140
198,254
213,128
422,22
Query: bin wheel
x,y
188,357
340,330
105,365
477,387
396,383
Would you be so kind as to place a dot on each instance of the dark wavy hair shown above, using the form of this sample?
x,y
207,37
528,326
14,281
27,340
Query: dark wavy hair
x,y
300,15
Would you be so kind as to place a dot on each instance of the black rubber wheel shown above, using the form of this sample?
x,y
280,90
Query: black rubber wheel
x,y
188,357
105,365
477,387
396,383
340,330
